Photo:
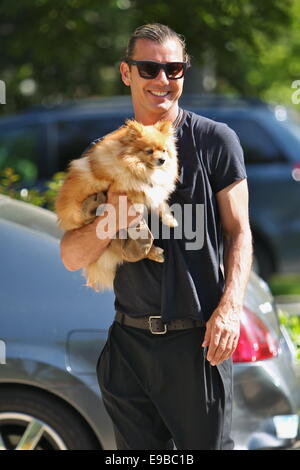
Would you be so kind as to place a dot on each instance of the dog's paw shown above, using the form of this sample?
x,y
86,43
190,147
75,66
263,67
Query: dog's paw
x,y
90,205
156,254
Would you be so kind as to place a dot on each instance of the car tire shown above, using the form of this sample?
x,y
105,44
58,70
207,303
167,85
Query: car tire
x,y
262,260
33,420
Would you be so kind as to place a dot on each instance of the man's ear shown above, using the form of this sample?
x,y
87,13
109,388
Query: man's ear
x,y
165,127
125,73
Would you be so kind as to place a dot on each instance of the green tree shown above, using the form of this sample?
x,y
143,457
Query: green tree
x,y
53,50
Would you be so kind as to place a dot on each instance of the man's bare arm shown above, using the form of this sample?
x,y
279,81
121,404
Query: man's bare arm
x,y
223,327
237,243
82,246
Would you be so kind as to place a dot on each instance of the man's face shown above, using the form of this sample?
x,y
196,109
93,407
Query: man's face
x,y
145,101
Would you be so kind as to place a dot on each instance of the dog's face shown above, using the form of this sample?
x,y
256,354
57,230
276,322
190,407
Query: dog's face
x,y
148,148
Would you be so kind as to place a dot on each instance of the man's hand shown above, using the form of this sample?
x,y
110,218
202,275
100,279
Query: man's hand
x,y
222,334
130,213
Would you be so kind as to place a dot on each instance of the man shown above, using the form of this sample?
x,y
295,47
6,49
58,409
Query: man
x,y
169,380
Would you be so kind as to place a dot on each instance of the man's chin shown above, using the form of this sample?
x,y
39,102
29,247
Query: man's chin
x,y
162,106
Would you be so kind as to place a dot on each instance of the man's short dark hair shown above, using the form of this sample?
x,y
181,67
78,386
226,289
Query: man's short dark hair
x,y
155,32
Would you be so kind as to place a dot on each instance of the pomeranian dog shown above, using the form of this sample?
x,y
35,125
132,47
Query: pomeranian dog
x,y
138,160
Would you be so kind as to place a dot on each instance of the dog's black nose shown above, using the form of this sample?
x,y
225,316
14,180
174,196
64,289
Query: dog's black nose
x,y
160,161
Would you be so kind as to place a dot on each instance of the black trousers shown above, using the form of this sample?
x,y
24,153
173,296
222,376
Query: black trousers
x,y
160,390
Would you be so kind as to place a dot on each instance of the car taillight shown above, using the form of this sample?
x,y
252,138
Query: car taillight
x,y
296,172
256,342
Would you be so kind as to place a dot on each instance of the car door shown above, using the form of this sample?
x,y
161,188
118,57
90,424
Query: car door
x,y
274,197
21,149
74,135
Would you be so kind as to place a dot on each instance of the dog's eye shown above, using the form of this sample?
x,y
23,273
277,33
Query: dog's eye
x,y
149,151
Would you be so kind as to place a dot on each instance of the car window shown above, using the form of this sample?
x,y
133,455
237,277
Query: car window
x,y
289,134
257,144
19,147
76,135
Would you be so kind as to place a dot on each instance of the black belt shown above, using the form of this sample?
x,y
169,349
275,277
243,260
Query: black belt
x,y
155,325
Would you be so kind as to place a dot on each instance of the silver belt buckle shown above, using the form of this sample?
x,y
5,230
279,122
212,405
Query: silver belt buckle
x,y
156,332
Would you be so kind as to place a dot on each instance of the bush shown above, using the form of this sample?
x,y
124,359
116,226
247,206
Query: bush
x,y
10,185
288,285
292,325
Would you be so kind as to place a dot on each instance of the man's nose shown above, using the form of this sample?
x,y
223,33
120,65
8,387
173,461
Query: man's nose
x,y
162,77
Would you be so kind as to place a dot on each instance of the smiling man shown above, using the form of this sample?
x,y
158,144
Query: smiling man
x,y
157,98
165,372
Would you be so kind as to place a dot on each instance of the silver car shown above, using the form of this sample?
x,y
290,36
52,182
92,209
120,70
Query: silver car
x,y
53,329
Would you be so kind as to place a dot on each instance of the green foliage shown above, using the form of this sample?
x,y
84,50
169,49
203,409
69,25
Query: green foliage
x,y
285,284
237,39
10,186
292,325
63,50
72,49
52,189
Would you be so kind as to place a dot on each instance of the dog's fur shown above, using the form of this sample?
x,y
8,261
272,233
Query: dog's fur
x,y
128,160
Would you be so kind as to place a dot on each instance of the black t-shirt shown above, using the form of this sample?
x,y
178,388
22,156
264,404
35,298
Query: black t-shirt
x,y
190,282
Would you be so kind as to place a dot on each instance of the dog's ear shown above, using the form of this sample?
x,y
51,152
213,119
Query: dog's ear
x,y
134,129
165,127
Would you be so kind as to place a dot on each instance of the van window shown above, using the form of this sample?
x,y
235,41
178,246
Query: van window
x,y
257,144
75,136
19,147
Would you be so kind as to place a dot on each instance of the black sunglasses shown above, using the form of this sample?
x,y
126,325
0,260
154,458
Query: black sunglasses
x,y
149,69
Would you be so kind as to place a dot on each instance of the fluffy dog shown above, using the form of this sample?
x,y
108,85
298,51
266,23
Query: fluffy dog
x,y
138,160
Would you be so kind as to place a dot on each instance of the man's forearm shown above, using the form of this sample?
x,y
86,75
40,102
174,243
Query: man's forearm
x,y
237,266
80,247
223,327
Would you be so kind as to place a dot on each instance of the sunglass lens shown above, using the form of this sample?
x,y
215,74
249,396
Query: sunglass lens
x,y
148,69
175,70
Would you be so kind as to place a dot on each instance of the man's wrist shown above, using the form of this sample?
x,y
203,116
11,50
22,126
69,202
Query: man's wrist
x,y
231,305
105,222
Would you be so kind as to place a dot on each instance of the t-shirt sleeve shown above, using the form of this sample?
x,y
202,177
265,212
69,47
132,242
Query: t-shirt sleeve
x,y
226,158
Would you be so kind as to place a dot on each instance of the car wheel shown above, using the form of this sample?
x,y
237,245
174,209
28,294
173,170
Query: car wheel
x,y
30,420
262,260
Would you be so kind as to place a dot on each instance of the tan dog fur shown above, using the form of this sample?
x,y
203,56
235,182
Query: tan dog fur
x,y
127,161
